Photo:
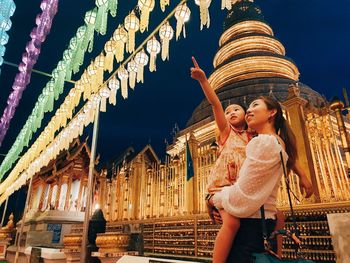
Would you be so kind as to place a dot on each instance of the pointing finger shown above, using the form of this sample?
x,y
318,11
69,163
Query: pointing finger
x,y
195,62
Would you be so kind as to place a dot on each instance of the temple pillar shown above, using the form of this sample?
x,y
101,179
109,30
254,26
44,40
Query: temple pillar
x,y
337,106
162,190
68,194
137,187
294,105
58,193
148,191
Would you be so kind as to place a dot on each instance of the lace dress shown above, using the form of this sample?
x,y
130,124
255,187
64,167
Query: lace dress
x,y
229,162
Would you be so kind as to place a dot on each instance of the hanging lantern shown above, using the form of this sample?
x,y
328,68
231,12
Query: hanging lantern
x,y
91,70
90,19
163,4
101,16
132,24
99,65
4,38
204,12
104,93
113,85
141,60
120,36
166,33
145,6
123,76
153,48
182,15
110,50
132,69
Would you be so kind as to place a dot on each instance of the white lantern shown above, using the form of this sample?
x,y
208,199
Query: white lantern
x,y
145,6
92,72
166,33
132,69
120,36
153,48
123,76
182,15
141,59
204,12
104,93
132,24
110,48
113,85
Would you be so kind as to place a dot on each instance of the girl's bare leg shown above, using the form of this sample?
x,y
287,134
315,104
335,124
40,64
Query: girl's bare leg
x,y
225,237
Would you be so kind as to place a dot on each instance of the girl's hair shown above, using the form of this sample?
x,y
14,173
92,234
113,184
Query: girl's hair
x,y
283,129
239,104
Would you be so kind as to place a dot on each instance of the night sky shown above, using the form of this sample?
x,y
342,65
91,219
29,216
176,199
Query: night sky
x,y
316,35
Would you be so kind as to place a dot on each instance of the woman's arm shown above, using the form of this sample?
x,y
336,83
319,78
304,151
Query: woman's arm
x,y
198,74
305,184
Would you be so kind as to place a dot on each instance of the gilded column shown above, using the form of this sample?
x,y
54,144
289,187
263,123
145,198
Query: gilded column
x,y
148,192
337,106
162,190
137,187
102,190
294,105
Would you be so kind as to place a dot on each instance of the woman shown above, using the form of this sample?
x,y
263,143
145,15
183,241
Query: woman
x,y
259,177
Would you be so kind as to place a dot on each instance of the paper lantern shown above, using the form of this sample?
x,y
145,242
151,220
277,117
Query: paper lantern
x,y
145,6
166,33
101,16
141,59
153,48
132,25
123,76
204,12
4,38
163,4
85,81
120,36
182,15
110,50
113,85
104,93
132,69
90,19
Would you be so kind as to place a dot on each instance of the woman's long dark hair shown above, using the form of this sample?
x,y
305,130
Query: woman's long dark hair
x,y
283,129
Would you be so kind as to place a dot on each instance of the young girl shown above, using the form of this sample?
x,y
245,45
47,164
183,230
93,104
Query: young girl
x,y
233,139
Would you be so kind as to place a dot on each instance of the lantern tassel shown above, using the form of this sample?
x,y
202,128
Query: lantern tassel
x,y
131,41
144,19
119,50
140,73
132,79
152,63
124,82
103,104
165,49
113,97
163,4
179,25
109,61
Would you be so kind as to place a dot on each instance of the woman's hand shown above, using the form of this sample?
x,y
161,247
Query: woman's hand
x,y
306,186
197,73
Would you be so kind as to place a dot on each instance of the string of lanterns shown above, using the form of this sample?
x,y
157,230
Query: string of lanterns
x,y
7,9
29,58
72,59
130,70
